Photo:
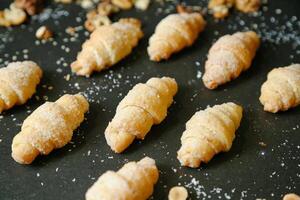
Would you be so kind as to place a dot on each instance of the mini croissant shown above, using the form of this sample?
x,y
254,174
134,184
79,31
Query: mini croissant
x,y
174,33
49,127
145,105
281,91
209,132
18,83
107,46
134,181
228,57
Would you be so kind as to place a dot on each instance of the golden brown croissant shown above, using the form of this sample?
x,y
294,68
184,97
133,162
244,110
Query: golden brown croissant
x,y
107,46
134,181
228,57
49,127
209,132
145,105
281,91
174,33
18,82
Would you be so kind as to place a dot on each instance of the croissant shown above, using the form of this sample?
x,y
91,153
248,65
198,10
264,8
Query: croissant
x,y
145,105
228,57
134,181
18,82
107,45
49,127
209,132
174,33
281,91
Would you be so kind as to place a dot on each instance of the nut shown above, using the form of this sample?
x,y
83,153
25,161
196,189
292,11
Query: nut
x,y
95,20
43,33
71,30
123,4
220,8
142,4
63,1
106,9
32,7
247,6
178,193
12,16
291,196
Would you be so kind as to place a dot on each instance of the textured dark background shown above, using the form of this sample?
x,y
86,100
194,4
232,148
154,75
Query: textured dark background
x,y
247,171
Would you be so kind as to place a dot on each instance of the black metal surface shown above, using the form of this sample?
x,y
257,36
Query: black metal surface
x,y
247,171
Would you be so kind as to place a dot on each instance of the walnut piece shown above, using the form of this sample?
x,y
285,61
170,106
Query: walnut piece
x,y
95,20
43,33
142,4
247,6
105,8
32,7
12,16
178,193
64,1
123,4
220,8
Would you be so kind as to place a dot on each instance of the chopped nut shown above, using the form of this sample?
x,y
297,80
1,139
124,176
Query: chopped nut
x,y
43,33
220,8
71,30
32,7
95,20
142,4
106,8
247,6
178,193
262,144
123,4
86,4
63,1
12,16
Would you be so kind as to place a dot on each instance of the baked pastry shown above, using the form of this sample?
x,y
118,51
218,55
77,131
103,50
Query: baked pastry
x,y
18,83
209,132
281,91
49,127
174,33
291,196
144,105
228,57
134,181
107,45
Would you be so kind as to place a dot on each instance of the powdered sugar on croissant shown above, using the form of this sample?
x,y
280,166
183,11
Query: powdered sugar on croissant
x,y
144,105
281,91
209,132
229,57
174,33
134,181
18,83
107,46
49,127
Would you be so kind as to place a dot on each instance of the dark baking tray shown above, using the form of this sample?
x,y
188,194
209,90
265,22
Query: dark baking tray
x,y
248,171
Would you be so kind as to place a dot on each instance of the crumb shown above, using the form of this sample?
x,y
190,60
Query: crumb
x,y
44,33
220,8
71,31
247,6
123,4
12,16
142,4
262,144
95,20
32,7
105,8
